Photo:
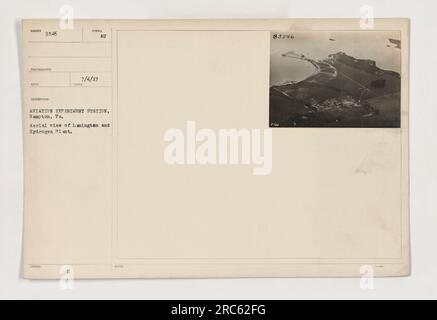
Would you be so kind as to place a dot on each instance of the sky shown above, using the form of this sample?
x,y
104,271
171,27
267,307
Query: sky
x,y
373,45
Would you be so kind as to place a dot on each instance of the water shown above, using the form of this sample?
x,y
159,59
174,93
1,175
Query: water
x,y
318,45
286,69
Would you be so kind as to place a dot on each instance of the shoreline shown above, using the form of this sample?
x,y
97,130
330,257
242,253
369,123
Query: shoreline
x,y
314,63
298,57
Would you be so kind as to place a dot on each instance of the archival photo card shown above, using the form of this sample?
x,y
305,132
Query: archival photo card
x,y
348,79
168,163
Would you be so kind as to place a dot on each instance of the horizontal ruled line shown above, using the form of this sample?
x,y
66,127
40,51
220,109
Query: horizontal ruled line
x,y
57,71
74,57
42,41
36,41
35,87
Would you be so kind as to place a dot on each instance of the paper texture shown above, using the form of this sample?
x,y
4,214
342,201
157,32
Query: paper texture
x,y
216,148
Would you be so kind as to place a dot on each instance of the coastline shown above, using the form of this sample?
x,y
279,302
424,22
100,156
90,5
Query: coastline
x,y
317,65
295,56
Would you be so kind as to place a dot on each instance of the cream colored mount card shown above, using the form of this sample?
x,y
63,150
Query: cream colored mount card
x,y
216,148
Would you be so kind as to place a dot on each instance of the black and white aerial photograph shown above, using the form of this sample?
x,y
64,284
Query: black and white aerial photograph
x,y
345,79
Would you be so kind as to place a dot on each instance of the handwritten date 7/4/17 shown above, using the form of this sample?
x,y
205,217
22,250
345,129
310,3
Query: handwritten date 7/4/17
x,y
85,79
